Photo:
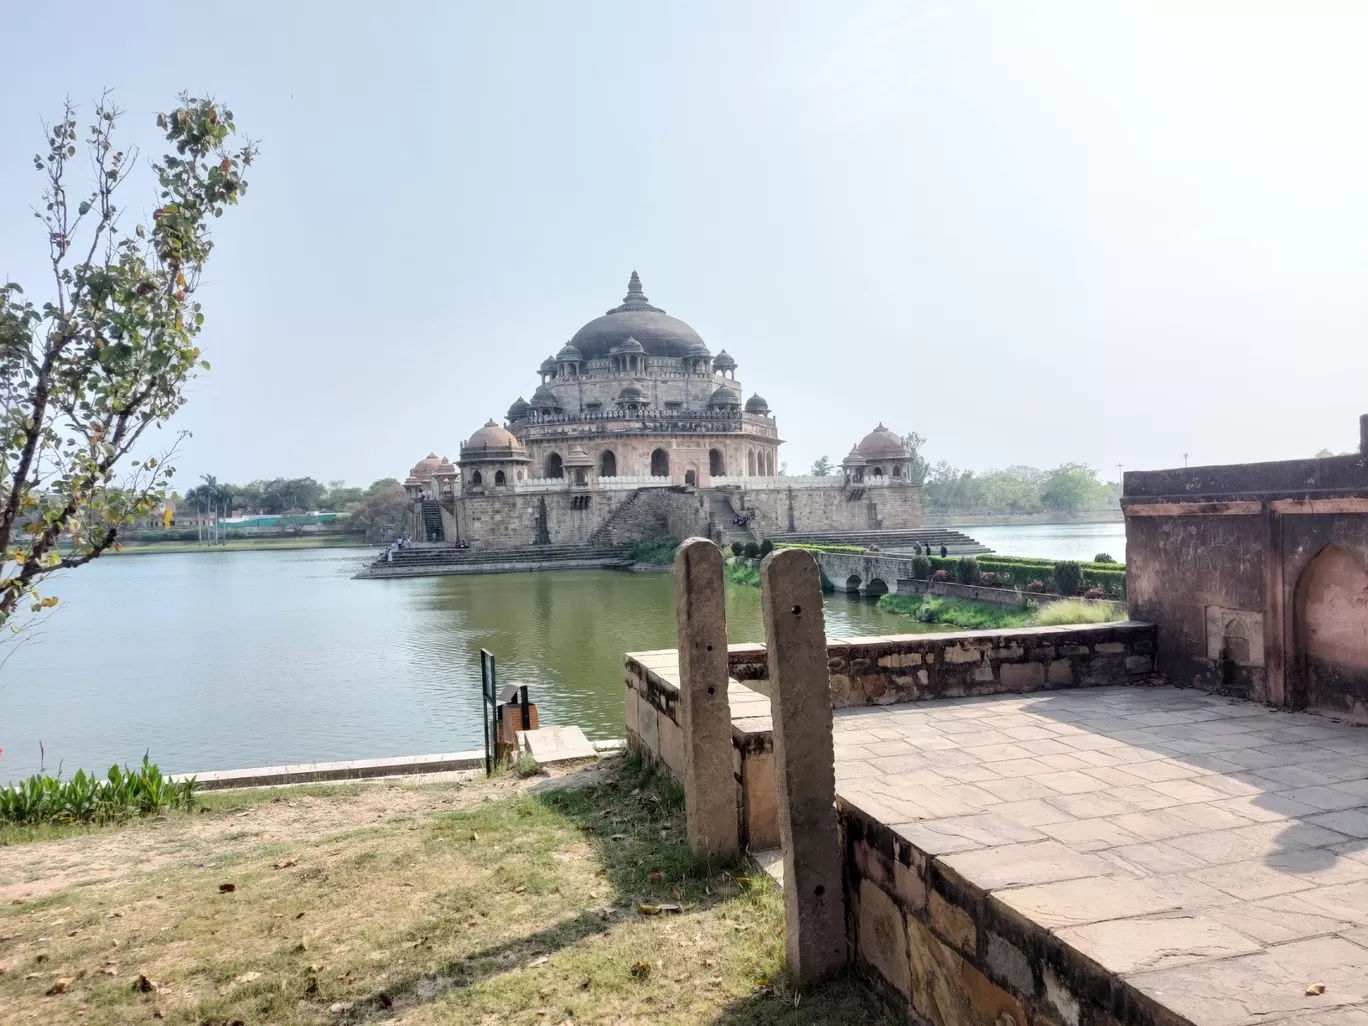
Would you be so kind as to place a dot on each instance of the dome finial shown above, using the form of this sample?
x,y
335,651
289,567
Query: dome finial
x,y
634,293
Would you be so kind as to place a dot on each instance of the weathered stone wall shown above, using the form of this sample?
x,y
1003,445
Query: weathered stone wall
x,y
917,667
996,596
947,953
781,509
632,451
1257,577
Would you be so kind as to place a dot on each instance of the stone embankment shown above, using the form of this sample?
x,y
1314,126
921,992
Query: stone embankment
x,y
429,561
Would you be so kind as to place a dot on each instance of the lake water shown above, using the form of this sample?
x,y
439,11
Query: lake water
x,y
221,660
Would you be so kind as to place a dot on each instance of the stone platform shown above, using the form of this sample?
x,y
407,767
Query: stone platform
x,y
1108,855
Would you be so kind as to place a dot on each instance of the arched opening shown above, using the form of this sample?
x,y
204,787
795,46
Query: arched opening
x,y
897,471
499,479
853,583
476,480
1235,643
717,466
875,588
750,463
660,463
769,464
878,471
690,478
580,476
555,466
608,464
1332,633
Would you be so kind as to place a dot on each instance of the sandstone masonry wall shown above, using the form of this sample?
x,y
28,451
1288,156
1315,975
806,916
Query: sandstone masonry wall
x,y
781,509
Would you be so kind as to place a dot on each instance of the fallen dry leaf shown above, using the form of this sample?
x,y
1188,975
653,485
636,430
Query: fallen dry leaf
x,y
538,961
656,877
1314,989
287,864
641,968
110,970
249,977
61,985
648,910
668,906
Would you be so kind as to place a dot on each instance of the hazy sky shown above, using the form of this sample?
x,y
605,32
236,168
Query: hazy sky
x,y
1032,232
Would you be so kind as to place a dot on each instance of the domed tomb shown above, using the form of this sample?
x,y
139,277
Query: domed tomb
x,y
757,404
658,333
492,442
519,409
632,394
724,396
568,352
426,467
883,444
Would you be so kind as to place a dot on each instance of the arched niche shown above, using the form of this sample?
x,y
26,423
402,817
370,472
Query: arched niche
x,y
1330,624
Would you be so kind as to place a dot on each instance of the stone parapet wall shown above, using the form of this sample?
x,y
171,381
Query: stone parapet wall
x,y
947,952
782,509
995,596
918,667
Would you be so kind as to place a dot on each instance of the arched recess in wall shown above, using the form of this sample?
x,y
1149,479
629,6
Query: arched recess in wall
x,y
853,582
476,479
499,479
769,464
660,463
878,471
690,478
876,586
717,465
750,463
555,466
608,464
1331,628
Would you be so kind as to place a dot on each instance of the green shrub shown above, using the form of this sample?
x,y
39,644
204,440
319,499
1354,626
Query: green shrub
x,y
734,571
657,551
766,547
1068,577
921,567
1102,557
84,798
752,550
738,547
967,570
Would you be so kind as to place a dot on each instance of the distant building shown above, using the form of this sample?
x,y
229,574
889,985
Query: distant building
x,y
635,430
1257,576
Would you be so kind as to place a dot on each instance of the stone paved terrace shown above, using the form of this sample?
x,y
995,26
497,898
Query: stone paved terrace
x,y
1164,855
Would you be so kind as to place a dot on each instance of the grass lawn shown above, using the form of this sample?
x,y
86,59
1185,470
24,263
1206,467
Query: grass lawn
x,y
505,901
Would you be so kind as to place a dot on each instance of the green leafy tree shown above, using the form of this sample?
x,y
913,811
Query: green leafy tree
x,y
822,468
919,468
1074,486
108,354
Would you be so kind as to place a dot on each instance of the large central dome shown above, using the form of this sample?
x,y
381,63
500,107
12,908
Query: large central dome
x,y
658,333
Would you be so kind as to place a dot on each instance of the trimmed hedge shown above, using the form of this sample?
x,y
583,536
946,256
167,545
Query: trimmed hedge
x,y
1022,570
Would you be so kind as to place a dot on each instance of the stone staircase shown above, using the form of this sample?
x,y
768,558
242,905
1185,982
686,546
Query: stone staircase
x,y
723,514
603,536
894,542
440,561
432,521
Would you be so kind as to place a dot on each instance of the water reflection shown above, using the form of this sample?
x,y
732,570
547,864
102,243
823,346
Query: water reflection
x,y
227,659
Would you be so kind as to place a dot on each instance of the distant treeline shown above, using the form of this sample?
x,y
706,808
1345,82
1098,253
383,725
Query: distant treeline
x,y
378,509
1070,486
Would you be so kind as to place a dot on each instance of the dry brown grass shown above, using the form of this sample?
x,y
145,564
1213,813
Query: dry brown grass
x,y
500,901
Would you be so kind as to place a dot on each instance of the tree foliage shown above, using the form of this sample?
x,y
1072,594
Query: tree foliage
x,y
1017,489
822,467
108,354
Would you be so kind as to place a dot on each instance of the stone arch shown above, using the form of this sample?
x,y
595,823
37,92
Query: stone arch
x,y
853,583
499,479
717,463
476,479
897,470
555,466
876,586
690,478
608,464
878,472
660,463
750,463
1235,642
1331,630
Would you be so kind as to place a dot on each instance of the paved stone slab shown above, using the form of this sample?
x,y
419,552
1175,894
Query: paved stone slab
x,y
1212,851
550,745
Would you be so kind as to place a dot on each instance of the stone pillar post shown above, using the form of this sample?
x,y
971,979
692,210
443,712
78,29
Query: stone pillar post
x,y
705,716
795,636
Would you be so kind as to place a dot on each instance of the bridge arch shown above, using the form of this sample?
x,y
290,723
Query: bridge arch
x,y
853,583
875,587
